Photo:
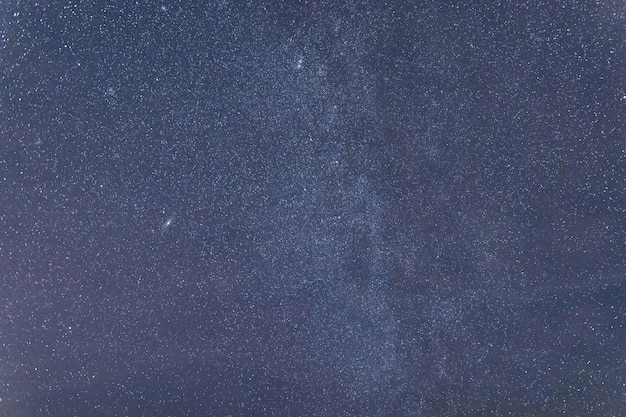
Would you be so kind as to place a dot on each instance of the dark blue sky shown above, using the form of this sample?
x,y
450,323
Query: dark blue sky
x,y
314,208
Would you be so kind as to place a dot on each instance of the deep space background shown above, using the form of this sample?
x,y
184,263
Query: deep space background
x,y
315,208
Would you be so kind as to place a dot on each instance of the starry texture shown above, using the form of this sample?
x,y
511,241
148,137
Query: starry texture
x,y
312,208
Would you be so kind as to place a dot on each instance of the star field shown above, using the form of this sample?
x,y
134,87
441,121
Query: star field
x,y
314,208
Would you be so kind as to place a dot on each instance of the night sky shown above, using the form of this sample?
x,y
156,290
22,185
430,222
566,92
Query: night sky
x,y
313,208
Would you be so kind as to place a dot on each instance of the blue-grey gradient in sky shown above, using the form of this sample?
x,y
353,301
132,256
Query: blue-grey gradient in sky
x,y
312,208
